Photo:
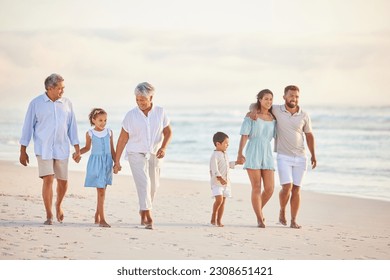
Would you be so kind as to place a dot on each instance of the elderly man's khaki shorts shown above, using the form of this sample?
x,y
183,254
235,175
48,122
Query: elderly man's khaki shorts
x,y
56,167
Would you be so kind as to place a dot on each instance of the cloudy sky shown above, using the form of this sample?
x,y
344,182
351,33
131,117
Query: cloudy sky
x,y
195,52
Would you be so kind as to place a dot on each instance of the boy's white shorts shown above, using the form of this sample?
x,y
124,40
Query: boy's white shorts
x,y
224,191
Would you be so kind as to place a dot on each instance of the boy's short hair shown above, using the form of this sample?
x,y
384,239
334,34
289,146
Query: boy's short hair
x,y
219,137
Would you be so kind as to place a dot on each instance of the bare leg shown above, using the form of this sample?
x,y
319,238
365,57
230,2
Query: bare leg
x,y
62,187
268,183
97,217
101,194
47,195
220,213
154,175
216,216
295,203
255,178
284,196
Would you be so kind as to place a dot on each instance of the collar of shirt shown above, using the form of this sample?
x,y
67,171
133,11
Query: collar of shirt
x,y
46,98
283,108
141,112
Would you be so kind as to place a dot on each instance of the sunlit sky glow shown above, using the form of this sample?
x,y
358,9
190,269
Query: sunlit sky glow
x,y
195,52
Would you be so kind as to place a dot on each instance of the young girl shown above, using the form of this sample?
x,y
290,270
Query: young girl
x,y
100,162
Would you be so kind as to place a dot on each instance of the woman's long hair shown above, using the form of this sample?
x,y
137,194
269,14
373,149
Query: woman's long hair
x,y
260,96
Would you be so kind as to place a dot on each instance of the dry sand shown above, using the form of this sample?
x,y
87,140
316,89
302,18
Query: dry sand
x,y
334,227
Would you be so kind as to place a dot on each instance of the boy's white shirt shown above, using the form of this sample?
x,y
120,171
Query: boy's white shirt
x,y
219,166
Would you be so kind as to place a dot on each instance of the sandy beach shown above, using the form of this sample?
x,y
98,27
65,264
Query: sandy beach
x,y
334,227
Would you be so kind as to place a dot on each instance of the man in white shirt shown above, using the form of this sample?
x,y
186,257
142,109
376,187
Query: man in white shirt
x,y
145,133
50,120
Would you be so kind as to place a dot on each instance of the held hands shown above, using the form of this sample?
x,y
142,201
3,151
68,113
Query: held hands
x,y
76,157
240,159
117,167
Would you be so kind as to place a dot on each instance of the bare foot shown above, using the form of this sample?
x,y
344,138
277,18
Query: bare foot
x,y
295,225
261,225
213,223
104,224
48,222
282,218
219,224
143,221
148,226
59,214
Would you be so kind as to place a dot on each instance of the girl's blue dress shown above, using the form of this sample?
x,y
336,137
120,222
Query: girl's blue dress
x,y
258,152
99,167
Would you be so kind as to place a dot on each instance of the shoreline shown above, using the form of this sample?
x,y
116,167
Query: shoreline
x,y
170,171
334,227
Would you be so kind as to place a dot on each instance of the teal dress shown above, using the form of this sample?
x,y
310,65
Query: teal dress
x,y
258,152
99,167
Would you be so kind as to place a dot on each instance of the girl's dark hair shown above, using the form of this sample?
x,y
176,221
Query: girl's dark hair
x,y
260,96
219,137
94,113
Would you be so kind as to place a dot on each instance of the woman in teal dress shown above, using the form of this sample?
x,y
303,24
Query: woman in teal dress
x,y
256,136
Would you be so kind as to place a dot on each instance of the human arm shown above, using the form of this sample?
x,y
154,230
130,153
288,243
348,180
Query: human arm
x,y
77,154
73,134
120,145
240,157
253,111
167,132
88,142
214,170
27,132
112,146
221,180
311,145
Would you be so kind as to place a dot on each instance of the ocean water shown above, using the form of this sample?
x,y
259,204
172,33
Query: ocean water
x,y
352,145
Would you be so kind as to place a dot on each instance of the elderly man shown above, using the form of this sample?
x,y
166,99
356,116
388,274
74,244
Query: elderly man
x,y
51,121
145,134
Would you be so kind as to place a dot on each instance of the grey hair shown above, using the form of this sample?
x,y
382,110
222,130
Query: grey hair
x,y
144,89
53,80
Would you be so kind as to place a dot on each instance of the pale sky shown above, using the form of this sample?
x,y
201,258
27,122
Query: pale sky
x,y
195,52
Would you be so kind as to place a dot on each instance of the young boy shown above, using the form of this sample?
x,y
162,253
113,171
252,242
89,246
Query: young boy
x,y
219,172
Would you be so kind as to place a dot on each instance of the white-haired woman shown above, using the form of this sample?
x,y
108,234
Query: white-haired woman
x,y
145,133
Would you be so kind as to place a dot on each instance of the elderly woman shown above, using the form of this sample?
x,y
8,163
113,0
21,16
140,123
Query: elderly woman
x,y
145,134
